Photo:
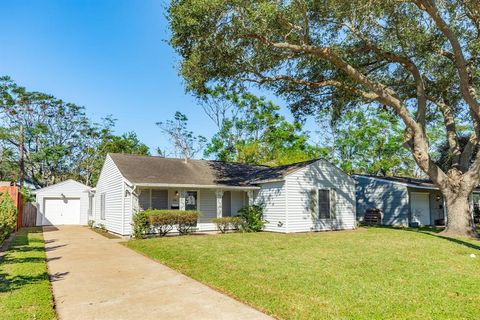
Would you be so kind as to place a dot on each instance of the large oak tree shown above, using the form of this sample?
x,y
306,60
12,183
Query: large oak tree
x,y
419,58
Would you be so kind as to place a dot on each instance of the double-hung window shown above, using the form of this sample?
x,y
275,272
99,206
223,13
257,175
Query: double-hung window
x,y
323,203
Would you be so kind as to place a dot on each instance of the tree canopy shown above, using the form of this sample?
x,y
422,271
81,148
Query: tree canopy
x,y
251,130
419,58
57,138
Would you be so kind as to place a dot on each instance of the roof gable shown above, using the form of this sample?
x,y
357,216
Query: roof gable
x,y
62,184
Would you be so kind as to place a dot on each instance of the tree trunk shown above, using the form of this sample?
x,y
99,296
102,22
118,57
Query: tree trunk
x,y
459,218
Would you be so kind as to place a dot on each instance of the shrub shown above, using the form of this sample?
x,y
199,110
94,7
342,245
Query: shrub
x,y
223,224
236,222
252,217
8,216
140,224
163,221
187,221
227,223
91,223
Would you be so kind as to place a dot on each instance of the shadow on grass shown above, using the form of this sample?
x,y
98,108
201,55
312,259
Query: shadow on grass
x,y
457,241
24,270
9,283
433,232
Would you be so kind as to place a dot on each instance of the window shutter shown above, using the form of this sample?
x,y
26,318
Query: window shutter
x,y
333,204
313,202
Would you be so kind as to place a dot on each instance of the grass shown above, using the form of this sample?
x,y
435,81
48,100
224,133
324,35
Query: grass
x,y
371,273
24,286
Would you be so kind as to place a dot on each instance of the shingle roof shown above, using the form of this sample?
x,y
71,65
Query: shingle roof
x,y
408,180
412,182
147,169
276,173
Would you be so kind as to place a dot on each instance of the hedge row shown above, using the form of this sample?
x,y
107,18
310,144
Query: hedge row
x,y
228,223
164,221
8,216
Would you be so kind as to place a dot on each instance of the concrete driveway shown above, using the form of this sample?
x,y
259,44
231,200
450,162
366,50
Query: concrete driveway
x,y
96,278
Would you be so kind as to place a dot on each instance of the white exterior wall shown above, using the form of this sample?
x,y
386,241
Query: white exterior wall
x,y
238,201
208,209
112,183
70,189
319,175
272,198
128,212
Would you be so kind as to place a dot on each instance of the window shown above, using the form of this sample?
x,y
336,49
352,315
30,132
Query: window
x,y
191,200
102,206
323,203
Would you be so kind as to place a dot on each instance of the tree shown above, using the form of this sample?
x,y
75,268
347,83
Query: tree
x,y
42,130
8,164
101,142
370,141
185,143
252,131
418,58
58,141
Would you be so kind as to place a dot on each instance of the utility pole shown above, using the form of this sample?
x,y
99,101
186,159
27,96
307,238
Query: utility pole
x,y
21,150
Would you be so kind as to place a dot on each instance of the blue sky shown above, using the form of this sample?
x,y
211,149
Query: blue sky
x,y
110,56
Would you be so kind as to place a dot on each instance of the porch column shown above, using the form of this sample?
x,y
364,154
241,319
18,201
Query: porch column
x,y
181,200
250,197
219,194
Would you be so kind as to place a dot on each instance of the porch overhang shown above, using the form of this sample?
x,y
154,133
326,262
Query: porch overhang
x,y
196,186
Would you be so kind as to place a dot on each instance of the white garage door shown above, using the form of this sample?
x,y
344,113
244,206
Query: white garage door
x,y
62,211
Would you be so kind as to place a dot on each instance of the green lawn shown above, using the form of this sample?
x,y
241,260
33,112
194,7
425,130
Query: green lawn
x,y
374,273
24,286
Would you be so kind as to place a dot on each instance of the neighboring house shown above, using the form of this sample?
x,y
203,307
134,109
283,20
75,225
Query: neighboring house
x,y
67,202
402,201
307,196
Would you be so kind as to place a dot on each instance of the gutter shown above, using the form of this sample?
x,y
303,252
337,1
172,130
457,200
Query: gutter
x,y
197,186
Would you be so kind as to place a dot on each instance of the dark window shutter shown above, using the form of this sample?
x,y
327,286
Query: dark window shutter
x,y
313,202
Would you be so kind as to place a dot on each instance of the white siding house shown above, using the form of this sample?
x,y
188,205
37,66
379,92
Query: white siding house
x,y
66,202
272,197
302,185
307,196
111,200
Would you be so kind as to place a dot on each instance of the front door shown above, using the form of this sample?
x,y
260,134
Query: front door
x,y
420,205
191,200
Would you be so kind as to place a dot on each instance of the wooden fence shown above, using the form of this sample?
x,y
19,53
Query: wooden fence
x,y
29,218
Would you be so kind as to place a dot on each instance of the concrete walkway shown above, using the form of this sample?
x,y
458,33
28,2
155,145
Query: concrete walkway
x,y
96,278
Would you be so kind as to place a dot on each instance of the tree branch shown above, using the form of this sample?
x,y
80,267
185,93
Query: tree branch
x,y
317,84
467,89
385,94
408,64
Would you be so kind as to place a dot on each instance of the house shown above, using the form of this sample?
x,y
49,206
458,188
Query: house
x,y
307,196
402,201
64,203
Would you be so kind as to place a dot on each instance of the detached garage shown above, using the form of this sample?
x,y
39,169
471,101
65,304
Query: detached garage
x,y
63,203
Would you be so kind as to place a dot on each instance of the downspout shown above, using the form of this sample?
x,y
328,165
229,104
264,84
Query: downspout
x,y
132,193
286,205
123,207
